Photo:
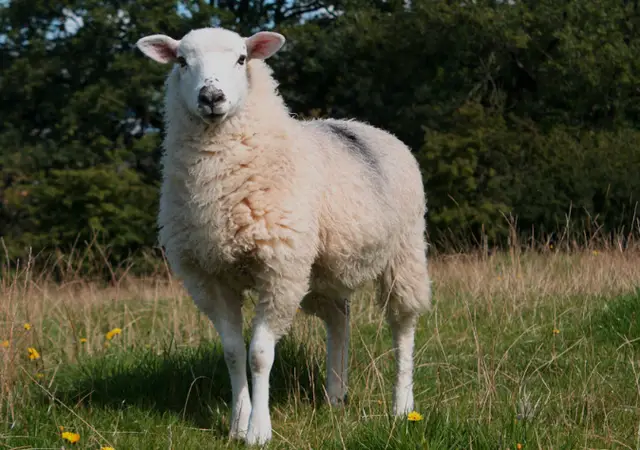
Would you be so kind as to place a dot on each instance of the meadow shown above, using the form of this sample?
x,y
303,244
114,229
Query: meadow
x,y
531,349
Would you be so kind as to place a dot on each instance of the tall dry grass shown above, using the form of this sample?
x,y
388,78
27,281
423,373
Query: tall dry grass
x,y
64,308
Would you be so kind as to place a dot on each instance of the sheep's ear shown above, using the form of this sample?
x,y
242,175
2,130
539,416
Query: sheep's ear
x,y
264,44
159,47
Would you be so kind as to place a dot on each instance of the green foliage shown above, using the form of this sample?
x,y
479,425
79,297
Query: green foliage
x,y
467,171
76,204
525,110
489,166
522,111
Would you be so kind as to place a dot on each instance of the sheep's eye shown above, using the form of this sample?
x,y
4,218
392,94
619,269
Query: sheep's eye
x,y
182,61
242,59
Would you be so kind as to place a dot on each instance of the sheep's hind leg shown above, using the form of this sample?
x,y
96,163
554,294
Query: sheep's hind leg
x,y
406,293
403,332
224,308
279,299
335,314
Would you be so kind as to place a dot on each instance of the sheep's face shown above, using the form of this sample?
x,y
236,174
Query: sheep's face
x,y
210,72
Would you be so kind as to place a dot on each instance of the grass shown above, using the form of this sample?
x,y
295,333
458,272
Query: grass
x,y
536,349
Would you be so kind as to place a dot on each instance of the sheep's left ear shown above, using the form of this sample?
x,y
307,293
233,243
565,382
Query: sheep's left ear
x,y
264,44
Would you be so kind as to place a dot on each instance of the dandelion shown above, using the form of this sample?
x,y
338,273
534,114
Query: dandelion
x,y
83,340
33,353
556,331
4,344
71,437
27,326
414,416
110,334
107,448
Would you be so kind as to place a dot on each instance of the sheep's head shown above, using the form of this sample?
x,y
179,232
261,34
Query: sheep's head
x,y
210,72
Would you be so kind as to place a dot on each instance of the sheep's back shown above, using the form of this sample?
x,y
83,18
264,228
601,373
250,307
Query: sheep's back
x,y
373,196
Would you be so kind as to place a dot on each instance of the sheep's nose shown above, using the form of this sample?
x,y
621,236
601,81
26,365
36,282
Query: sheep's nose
x,y
210,96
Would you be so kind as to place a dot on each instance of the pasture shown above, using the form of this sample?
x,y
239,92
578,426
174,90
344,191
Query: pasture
x,y
539,349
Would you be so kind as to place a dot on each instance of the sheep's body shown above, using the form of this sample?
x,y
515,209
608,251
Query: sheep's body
x,y
304,212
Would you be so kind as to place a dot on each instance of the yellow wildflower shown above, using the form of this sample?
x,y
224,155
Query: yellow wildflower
x,y
83,340
27,326
107,448
33,353
113,333
556,331
71,437
39,376
414,416
596,253
4,344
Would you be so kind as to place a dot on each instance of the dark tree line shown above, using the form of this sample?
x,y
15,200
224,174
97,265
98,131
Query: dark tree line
x,y
527,108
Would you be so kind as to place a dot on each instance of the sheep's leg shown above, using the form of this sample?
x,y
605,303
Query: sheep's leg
x,y
338,335
406,291
224,308
229,326
274,314
335,314
403,332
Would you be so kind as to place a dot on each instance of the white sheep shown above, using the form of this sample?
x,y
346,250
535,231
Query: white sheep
x,y
302,212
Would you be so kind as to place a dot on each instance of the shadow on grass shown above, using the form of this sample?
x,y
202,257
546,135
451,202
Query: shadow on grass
x,y
191,382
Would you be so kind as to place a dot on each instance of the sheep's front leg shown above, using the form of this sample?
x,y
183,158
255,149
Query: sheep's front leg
x,y
274,314
224,308
229,326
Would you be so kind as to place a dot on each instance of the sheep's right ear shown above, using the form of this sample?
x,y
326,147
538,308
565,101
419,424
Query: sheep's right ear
x,y
159,47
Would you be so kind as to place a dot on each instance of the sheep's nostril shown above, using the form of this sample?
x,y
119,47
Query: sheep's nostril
x,y
218,97
203,99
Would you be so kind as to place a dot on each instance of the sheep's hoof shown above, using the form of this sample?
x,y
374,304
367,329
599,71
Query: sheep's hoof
x,y
238,434
258,436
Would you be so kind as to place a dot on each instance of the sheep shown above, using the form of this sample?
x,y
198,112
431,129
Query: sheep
x,y
302,212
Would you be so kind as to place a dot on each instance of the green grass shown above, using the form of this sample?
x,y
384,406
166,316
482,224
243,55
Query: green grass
x,y
490,370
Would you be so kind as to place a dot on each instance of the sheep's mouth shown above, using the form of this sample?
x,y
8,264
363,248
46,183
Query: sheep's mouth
x,y
212,116
209,114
